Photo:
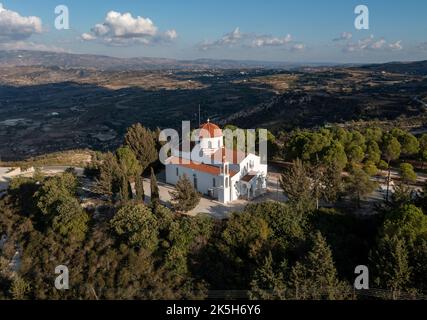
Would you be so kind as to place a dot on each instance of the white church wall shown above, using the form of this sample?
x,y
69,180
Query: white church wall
x,y
204,180
251,163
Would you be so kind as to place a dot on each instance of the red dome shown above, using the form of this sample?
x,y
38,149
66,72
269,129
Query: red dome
x,y
213,129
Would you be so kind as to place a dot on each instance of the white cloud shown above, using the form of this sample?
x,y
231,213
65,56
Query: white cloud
x,y
396,46
378,44
370,43
171,34
248,40
231,37
268,41
88,37
228,39
298,47
13,26
123,29
344,36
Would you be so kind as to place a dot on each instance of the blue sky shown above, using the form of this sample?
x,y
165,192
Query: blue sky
x,y
276,30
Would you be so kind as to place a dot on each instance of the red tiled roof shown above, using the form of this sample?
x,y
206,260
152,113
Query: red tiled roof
x,y
248,177
213,129
213,170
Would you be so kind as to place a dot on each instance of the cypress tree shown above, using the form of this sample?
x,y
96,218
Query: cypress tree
x,y
124,190
155,196
139,188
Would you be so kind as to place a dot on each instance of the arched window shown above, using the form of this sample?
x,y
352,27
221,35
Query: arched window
x,y
177,172
226,182
210,144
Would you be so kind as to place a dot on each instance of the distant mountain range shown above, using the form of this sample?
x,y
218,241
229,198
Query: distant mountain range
x,y
101,62
413,68
68,60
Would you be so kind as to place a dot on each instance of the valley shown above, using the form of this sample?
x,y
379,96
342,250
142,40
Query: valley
x,y
45,109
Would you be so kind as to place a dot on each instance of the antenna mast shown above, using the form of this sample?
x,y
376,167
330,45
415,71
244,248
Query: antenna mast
x,y
199,115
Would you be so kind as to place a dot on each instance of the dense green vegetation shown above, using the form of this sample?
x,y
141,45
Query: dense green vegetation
x,y
128,249
361,154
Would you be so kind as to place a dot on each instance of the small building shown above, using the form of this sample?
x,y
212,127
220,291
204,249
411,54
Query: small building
x,y
222,174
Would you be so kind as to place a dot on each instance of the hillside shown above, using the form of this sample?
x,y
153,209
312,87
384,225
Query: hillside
x,y
338,95
412,68
100,62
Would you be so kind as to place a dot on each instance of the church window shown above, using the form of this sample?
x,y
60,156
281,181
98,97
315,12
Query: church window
x,y
195,181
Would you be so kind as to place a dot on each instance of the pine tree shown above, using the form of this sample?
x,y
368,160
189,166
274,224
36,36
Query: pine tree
x,y
19,288
128,162
423,149
143,144
185,198
266,284
296,184
108,182
137,225
391,151
391,265
407,173
359,185
70,220
419,278
155,196
315,277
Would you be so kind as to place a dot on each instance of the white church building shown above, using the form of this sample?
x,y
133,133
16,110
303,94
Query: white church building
x,y
222,174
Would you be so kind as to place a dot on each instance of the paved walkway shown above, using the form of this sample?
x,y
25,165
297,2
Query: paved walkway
x,y
214,208
207,206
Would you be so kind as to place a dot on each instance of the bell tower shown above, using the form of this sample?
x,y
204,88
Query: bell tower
x,y
211,138
225,197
